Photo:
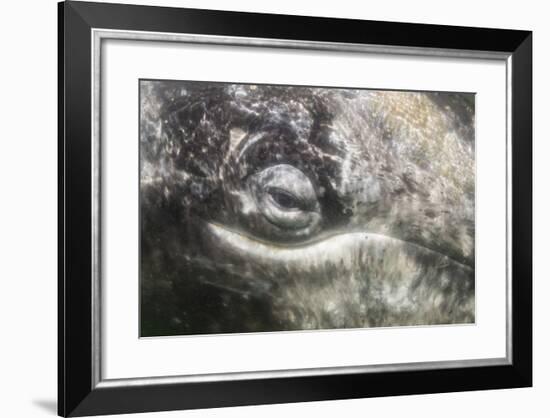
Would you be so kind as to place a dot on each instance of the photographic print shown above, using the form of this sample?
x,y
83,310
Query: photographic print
x,y
270,208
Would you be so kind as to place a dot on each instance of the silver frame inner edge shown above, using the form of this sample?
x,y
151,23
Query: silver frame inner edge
x,y
97,35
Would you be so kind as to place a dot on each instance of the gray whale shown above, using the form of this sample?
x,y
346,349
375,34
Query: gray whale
x,y
267,208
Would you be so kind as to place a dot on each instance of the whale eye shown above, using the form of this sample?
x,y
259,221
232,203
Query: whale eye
x,y
286,198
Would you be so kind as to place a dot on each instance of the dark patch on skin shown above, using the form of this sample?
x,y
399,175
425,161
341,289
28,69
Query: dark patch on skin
x,y
395,164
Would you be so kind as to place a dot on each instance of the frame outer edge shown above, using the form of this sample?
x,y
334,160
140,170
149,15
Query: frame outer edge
x,y
522,210
296,27
74,165
61,208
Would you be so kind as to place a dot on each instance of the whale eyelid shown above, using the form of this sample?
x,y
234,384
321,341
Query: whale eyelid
x,y
298,187
249,141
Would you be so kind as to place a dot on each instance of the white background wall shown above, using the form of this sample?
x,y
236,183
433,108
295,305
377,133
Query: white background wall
x,y
28,273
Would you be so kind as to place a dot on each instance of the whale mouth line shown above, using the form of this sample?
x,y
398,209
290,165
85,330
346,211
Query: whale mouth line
x,y
220,229
333,241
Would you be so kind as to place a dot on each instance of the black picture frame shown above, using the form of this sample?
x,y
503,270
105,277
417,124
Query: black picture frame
x,y
77,393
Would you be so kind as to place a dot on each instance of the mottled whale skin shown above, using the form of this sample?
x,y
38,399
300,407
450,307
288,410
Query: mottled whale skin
x,y
268,208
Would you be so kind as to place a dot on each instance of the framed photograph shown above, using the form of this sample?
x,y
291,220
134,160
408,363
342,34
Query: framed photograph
x,y
264,208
